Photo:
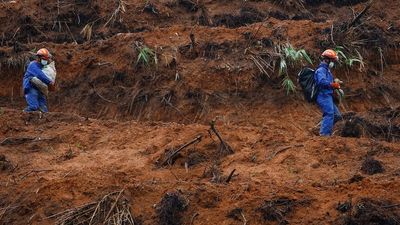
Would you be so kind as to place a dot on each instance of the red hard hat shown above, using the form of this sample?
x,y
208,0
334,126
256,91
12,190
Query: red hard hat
x,y
43,53
330,54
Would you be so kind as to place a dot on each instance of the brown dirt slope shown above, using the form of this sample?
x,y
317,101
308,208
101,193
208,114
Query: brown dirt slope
x,y
114,121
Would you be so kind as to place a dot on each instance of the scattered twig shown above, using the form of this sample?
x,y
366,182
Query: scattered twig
x,y
390,206
120,9
35,171
168,102
22,140
15,33
113,206
230,176
255,34
4,210
98,94
193,217
279,151
58,17
168,160
70,33
224,147
332,35
244,218
111,209
261,64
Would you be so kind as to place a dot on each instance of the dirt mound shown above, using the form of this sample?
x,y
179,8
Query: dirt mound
x,y
381,123
112,155
170,209
372,166
5,165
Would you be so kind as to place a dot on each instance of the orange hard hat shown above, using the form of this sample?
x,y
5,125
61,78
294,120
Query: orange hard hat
x,y
330,54
43,53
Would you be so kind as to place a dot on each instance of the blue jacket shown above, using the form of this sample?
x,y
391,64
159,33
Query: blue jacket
x,y
34,70
323,77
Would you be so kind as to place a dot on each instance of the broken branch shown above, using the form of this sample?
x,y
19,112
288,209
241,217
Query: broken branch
x,y
279,151
168,160
230,176
193,217
224,147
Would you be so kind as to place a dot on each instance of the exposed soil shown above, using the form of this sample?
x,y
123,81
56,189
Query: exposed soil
x,y
118,123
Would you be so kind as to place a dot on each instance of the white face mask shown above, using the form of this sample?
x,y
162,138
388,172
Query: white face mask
x,y
331,65
44,62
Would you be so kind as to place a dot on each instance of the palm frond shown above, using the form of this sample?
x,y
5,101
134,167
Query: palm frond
x,y
288,85
305,56
350,60
282,67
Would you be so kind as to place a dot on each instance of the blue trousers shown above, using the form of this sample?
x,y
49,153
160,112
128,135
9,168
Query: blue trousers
x,y
36,101
331,113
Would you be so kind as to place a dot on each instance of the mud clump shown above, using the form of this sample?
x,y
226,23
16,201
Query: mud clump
x,y
379,123
352,128
372,166
170,209
5,165
368,211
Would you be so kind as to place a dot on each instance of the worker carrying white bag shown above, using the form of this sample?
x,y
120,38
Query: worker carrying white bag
x,y
35,92
51,73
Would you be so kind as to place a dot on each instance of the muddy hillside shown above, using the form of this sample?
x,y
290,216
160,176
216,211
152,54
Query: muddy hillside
x,y
173,112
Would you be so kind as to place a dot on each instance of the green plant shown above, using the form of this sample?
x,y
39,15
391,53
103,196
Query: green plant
x,y
288,85
289,58
146,55
350,61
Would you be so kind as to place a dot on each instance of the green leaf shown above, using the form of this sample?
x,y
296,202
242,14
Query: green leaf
x,y
305,56
282,67
288,85
145,53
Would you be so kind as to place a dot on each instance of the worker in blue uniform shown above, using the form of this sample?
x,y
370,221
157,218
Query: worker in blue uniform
x,y
326,86
34,98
